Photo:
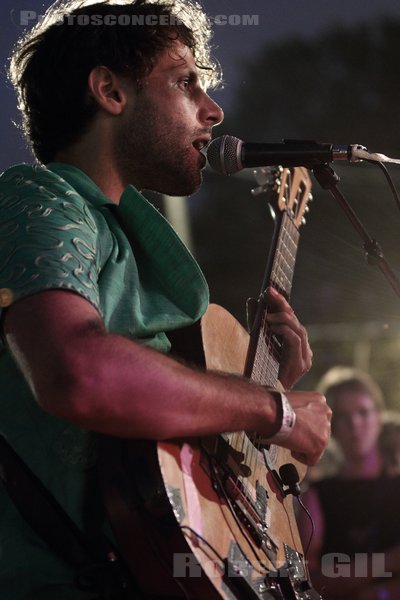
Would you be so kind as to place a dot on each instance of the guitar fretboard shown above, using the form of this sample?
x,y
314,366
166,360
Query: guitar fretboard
x,y
268,351
265,350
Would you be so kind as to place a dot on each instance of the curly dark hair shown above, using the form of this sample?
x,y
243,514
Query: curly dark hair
x,y
49,66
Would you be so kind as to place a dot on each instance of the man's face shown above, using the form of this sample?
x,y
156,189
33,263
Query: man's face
x,y
165,125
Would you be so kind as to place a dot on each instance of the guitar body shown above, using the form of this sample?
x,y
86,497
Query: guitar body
x,y
215,514
204,512
190,536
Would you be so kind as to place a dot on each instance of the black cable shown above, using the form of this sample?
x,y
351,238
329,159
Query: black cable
x,y
389,180
304,507
239,525
200,537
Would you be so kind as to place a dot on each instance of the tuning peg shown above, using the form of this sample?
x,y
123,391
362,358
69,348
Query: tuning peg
x,y
267,175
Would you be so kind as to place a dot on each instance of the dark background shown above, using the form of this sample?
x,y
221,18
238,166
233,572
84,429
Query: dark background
x,y
310,69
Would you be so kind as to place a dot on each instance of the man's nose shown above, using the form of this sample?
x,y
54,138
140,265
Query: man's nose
x,y
211,112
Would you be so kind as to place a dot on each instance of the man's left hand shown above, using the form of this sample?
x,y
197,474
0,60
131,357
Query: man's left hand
x,y
296,357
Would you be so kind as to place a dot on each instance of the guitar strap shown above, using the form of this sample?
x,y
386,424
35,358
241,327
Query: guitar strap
x,y
99,567
187,345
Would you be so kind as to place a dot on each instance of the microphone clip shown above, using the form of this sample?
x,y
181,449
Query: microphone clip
x,y
290,478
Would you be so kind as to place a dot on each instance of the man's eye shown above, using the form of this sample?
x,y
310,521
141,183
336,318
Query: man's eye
x,y
184,83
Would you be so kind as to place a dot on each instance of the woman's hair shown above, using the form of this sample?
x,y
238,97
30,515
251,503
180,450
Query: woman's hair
x,y
347,379
50,65
389,442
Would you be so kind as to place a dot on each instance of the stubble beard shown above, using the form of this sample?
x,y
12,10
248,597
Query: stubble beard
x,y
153,155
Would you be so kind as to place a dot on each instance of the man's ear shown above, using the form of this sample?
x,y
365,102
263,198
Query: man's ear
x,y
108,89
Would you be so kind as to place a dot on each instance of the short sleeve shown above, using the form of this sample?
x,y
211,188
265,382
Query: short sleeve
x,y
48,237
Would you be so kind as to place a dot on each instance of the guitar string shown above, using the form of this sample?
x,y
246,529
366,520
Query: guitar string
x,y
266,362
265,367
267,357
264,373
245,534
283,270
266,370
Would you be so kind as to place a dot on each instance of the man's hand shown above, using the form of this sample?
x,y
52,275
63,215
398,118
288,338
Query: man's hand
x,y
311,432
296,358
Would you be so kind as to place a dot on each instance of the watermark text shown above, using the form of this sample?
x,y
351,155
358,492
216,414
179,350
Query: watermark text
x,y
26,18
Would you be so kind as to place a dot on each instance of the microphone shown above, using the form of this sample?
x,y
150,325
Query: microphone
x,y
290,477
228,154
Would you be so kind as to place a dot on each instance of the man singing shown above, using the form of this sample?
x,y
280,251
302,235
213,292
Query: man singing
x,y
113,100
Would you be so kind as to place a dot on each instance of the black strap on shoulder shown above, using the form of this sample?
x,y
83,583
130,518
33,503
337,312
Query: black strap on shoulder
x,y
186,345
99,567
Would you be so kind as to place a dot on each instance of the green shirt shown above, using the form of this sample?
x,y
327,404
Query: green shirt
x,y
59,231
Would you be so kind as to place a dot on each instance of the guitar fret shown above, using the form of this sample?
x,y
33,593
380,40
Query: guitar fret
x,y
265,366
268,352
286,252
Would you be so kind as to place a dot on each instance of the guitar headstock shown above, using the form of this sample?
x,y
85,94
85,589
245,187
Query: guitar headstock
x,y
290,188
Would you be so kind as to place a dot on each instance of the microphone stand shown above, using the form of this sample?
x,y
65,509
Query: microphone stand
x,y
328,179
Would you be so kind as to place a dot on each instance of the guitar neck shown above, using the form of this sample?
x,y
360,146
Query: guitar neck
x,y
265,349
284,260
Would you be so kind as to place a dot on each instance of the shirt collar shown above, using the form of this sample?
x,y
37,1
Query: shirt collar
x,y
81,182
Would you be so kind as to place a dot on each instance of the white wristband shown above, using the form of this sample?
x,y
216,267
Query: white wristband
x,y
288,419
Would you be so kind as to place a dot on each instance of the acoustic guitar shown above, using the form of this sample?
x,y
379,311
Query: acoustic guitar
x,y
216,514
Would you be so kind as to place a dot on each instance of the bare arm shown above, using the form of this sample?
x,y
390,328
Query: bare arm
x,y
110,384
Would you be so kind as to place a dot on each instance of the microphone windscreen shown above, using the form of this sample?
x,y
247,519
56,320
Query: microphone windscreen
x,y
223,154
289,475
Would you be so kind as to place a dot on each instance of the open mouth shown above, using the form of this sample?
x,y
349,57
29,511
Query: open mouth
x,y
201,143
201,146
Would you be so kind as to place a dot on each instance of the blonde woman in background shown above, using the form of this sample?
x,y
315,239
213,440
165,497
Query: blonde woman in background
x,y
355,550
